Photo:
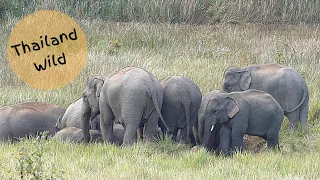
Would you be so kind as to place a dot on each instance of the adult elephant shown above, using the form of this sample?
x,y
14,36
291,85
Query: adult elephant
x,y
131,96
72,116
251,112
181,102
29,118
285,84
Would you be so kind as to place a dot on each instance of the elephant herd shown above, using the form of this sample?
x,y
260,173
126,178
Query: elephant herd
x,y
133,104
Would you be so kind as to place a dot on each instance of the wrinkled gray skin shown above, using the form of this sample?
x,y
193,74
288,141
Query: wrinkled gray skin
x,y
72,117
30,118
131,96
181,102
285,84
75,135
213,137
249,112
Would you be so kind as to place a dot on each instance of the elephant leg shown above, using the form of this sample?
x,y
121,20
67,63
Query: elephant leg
x,y
273,138
304,114
194,137
175,134
151,126
106,122
183,135
237,140
130,135
293,119
225,140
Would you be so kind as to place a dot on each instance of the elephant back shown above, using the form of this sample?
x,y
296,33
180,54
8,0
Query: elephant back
x,y
28,118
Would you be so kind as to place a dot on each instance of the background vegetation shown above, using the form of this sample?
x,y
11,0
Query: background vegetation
x,y
175,11
192,38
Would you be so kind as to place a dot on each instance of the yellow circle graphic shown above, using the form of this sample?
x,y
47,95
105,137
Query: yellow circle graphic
x,y
47,49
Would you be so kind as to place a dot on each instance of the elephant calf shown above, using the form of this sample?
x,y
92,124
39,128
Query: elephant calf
x,y
72,117
181,102
28,118
75,135
231,115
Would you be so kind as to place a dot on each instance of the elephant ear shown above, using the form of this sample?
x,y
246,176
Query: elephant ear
x,y
245,80
232,107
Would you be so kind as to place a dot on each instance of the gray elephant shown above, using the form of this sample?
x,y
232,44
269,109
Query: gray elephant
x,y
75,135
131,96
251,112
212,138
181,102
285,84
30,118
72,117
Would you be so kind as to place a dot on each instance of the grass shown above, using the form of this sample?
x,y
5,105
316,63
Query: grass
x,y
201,53
175,11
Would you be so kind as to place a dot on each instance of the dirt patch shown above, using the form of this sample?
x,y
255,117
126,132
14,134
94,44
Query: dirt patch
x,y
254,144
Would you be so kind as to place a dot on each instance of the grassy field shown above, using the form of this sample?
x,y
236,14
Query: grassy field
x,y
200,52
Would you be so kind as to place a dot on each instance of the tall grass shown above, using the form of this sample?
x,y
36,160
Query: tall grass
x,y
201,53
175,11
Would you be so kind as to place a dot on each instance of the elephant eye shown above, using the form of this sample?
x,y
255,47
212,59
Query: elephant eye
x,y
214,112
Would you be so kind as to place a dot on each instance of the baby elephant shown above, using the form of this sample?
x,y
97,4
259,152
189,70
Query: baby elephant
x,y
251,112
74,134
72,117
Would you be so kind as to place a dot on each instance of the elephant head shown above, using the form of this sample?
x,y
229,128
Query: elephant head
x,y
236,79
90,105
215,110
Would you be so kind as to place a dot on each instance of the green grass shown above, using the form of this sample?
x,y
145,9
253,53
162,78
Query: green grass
x,y
201,53
175,11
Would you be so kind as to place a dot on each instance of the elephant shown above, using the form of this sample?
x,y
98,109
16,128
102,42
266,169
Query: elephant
x,y
181,102
251,112
285,84
213,138
75,135
72,117
29,118
131,96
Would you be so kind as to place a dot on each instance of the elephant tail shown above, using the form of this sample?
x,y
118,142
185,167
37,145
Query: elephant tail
x,y
187,109
304,98
156,105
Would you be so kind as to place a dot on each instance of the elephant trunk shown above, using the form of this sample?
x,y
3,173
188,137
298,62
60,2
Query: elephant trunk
x,y
201,128
85,118
206,135
211,138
